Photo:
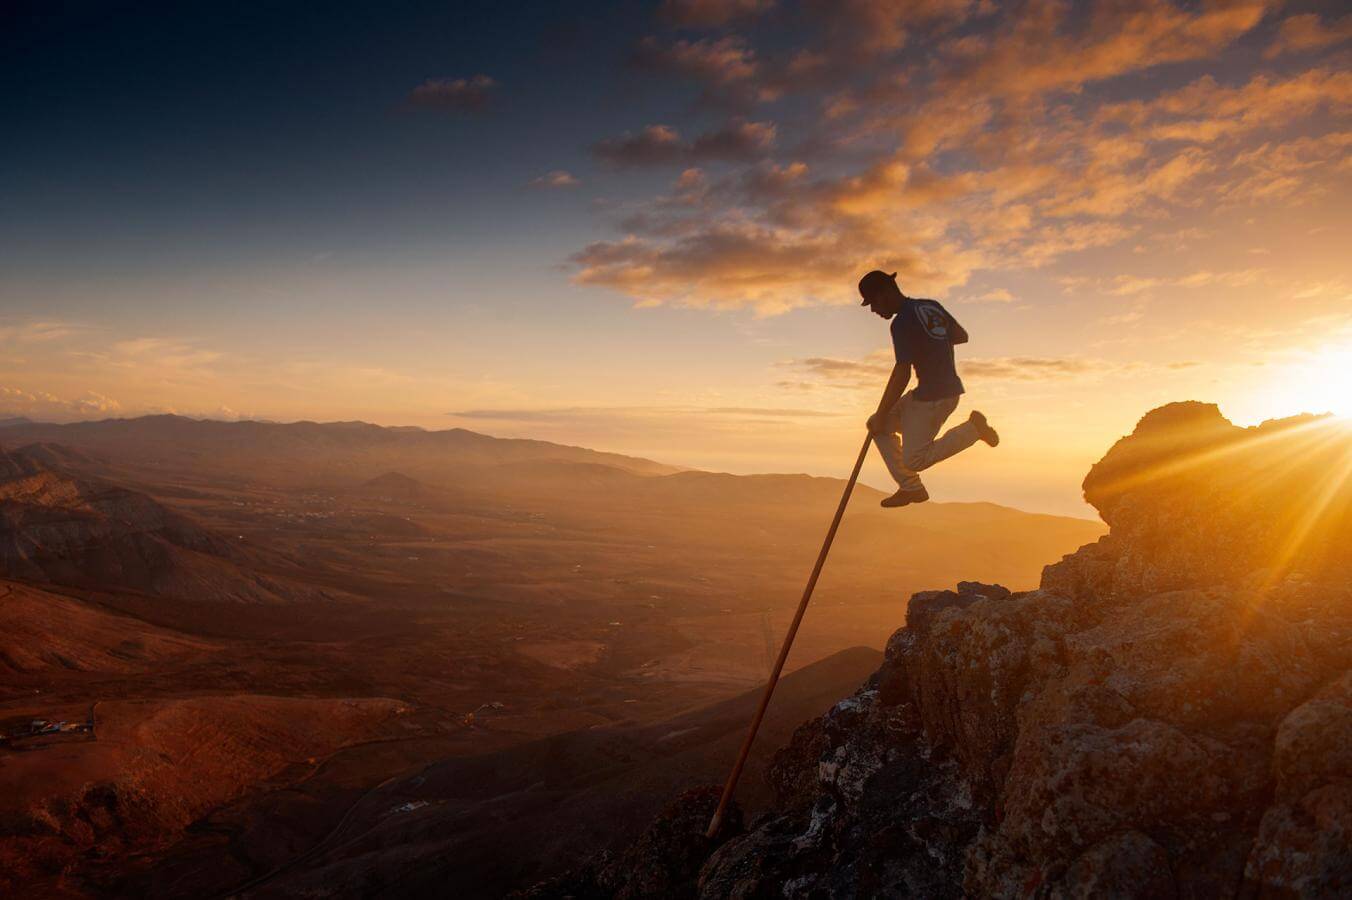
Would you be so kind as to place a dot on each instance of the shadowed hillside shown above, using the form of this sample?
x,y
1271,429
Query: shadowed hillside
x,y
488,822
64,528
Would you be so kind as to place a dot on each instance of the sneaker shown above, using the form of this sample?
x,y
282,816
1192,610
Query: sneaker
x,y
983,428
905,498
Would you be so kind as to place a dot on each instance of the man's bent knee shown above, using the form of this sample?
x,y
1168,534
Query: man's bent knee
x,y
915,460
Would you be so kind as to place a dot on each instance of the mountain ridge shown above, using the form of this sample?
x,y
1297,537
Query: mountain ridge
x,y
179,436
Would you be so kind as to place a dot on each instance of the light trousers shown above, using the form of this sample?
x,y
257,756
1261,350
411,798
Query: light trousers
x,y
908,442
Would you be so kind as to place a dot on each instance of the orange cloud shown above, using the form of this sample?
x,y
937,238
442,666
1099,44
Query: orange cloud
x,y
1044,49
1308,32
43,405
1205,111
984,151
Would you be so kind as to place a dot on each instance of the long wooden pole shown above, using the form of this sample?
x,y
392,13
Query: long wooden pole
x,y
731,786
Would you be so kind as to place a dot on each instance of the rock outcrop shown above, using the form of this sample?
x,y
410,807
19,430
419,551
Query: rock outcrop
x,y
1169,715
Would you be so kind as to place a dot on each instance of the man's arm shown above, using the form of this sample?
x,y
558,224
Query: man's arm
x,y
896,386
959,333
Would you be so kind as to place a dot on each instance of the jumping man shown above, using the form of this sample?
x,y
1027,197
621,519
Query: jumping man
x,y
923,335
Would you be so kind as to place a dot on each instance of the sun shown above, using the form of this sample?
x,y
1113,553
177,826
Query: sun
x,y
1318,383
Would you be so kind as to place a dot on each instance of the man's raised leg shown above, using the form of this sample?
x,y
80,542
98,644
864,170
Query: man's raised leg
x,y
921,421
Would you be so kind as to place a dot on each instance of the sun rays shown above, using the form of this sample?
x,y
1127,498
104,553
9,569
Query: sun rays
x,y
1291,482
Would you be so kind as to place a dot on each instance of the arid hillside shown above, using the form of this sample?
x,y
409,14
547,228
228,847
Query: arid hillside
x,y
61,525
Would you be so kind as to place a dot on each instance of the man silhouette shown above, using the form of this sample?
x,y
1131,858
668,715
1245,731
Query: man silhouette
x,y
923,335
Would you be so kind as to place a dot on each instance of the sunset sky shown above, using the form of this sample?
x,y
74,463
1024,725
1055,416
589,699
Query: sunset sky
x,y
638,226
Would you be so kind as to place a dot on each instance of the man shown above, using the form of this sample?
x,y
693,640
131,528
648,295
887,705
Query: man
x,y
923,335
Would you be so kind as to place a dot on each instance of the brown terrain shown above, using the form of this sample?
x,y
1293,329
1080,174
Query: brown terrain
x,y
341,658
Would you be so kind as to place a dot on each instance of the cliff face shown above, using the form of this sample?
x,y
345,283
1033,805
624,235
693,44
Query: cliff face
x,y
1170,714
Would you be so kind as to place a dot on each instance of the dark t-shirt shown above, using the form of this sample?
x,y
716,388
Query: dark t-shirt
x,y
922,335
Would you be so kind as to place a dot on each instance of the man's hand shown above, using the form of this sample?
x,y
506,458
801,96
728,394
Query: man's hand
x,y
874,424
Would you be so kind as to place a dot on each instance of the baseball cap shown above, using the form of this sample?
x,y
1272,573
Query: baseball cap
x,y
873,281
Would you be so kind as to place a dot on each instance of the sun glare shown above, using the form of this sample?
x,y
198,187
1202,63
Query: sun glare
x,y
1322,383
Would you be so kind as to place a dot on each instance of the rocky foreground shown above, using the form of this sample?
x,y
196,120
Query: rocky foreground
x,y
1169,714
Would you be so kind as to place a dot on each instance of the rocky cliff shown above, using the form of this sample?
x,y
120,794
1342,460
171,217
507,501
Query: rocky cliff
x,y
1168,715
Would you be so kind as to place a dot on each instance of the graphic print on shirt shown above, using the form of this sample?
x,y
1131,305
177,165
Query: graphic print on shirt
x,y
933,320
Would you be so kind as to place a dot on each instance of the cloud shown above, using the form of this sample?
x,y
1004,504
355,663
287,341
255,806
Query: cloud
x,y
1114,193
998,295
1028,368
720,62
1308,32
1127,317
41,404
596,414
656,145
1014,141
711,13
1316,289
872,371
1129,285
735,141
1288,171
1043,47
558,178
832,372
35,332
863,28
159,354
1206,111
736,263
726,69
844,37
454,94
770,411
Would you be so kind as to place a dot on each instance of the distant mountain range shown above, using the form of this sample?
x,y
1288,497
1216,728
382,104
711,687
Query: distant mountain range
x,y
305,452
627,499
